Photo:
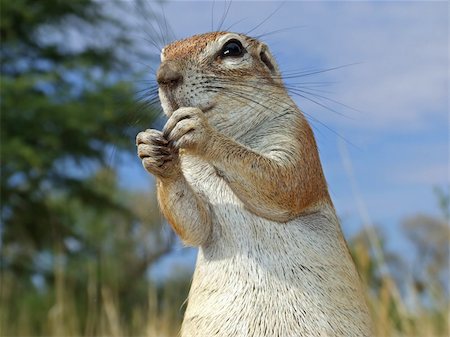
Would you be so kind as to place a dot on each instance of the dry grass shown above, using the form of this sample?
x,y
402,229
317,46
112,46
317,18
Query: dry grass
x,y
56,312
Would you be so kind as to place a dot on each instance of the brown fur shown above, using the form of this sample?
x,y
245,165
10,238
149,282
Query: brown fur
x,y
164,204
280,189
189,47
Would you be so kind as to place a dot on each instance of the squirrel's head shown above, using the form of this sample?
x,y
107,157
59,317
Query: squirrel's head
x,y
217,71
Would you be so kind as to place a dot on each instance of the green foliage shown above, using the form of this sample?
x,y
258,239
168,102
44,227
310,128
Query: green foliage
x,y
66,113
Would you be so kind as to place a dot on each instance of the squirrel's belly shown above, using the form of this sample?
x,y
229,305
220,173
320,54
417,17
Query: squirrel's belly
x,y
259,278
256,289
240,296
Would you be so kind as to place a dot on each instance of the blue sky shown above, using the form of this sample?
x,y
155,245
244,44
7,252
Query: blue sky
x,y
398,139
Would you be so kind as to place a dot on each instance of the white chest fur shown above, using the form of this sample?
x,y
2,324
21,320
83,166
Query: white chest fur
x,y
256,277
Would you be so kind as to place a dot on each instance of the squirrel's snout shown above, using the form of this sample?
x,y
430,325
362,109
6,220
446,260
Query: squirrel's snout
x,y
169,75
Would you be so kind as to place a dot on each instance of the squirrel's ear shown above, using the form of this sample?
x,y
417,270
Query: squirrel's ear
x,y
266,57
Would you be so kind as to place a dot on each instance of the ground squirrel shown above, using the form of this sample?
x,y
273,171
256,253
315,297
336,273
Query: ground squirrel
x,y
238,175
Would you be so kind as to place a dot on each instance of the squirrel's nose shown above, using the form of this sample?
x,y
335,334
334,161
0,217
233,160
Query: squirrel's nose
x,y
169,74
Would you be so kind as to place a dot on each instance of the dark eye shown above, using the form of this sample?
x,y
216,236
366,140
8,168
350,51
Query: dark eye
x,y
232,48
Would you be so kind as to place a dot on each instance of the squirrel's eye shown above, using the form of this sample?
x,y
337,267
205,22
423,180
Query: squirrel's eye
x,y
232,48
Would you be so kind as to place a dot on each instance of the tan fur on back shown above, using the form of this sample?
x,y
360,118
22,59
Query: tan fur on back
x,y
251,194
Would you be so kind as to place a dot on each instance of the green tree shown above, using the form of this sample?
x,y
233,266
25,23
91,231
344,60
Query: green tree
x,y
68,108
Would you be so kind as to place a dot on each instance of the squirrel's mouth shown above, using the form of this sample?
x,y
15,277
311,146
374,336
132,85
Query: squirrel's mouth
x,y
168,102
173,105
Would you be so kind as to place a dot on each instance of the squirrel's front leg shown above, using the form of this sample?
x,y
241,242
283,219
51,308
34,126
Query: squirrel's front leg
x,y
185,211
277,186
188,129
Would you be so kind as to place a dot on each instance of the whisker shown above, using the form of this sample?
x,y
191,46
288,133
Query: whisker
x,y
242,96
328,99
239,95
249,98
227,9
147,90
152,42
310,88
212,15
314,72
300,94
162,34
260,36
270,109
146,65
158,30
151,35
234,24
266,19
278,100
148,100
303,94
169,31
322,83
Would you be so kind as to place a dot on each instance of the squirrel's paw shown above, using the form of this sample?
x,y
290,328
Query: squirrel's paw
x,y
158,156
188,128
